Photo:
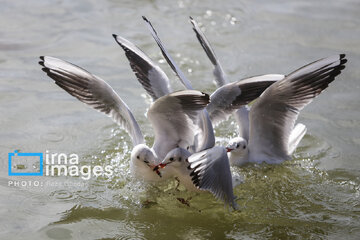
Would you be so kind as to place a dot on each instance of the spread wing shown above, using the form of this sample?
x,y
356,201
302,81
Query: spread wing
x,y
273,116
211,172
167,56
151,76
230,97
92,91
174,117
220,77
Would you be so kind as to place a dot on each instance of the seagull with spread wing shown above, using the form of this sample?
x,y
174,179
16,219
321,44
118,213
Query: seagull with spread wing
x,y
279,137
172,116
273,133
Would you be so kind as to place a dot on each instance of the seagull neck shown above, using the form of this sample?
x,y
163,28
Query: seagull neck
x,y
238,158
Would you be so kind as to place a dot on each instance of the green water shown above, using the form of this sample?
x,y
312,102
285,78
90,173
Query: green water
x,y
314,196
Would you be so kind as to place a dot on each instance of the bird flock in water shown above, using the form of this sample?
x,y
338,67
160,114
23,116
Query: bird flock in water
x,y
183,121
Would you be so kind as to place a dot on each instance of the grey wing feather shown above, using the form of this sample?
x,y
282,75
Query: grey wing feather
x,y
211,172
220,77
174,117
230,97
151,76
92,91
273,116
167,56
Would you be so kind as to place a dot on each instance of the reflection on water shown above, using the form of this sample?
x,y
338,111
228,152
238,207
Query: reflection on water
x,y
316,195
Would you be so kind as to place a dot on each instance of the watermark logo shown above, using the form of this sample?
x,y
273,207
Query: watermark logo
x,y
54,164
25,164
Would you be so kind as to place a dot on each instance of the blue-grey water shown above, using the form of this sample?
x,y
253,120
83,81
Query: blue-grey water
x,y
314,196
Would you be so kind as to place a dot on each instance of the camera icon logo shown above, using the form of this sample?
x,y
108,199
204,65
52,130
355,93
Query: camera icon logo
x,y
25,164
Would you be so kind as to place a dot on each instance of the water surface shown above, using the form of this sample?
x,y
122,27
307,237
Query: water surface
x,y
316,195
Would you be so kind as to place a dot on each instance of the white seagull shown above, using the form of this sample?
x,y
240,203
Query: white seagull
x,y
273,134
172,116
289,135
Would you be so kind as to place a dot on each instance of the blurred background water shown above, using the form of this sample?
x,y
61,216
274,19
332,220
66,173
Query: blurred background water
x,y
314,196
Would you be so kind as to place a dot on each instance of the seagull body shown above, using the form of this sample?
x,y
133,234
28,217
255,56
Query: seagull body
x,y
172,116
273,133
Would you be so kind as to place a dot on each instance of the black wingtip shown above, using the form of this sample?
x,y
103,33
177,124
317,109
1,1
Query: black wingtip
x,y
114,36
145,19
343,61
191,18
207,96
342,55
42,58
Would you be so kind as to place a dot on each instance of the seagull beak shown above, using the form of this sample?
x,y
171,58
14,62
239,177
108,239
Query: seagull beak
x,y
229,149
157,167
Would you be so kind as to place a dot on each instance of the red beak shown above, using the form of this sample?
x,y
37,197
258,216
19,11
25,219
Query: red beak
x,y
159,166
228,149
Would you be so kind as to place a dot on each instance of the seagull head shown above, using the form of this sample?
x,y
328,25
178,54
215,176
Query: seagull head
x,y
237,145
175,158
143,155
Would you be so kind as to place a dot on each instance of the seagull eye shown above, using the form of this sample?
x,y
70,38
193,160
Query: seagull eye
x,y
138,157
244,147
171,159
237,145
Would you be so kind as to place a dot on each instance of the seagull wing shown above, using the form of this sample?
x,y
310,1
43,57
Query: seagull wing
x,y
167,56
273,116
220,77
151,76
92,91
211,172
230,97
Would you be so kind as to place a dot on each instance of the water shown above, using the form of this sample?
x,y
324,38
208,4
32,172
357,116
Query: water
x,y
316,195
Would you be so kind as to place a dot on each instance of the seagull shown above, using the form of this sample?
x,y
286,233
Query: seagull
x,y
273,134
241,115
239,151
172,116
